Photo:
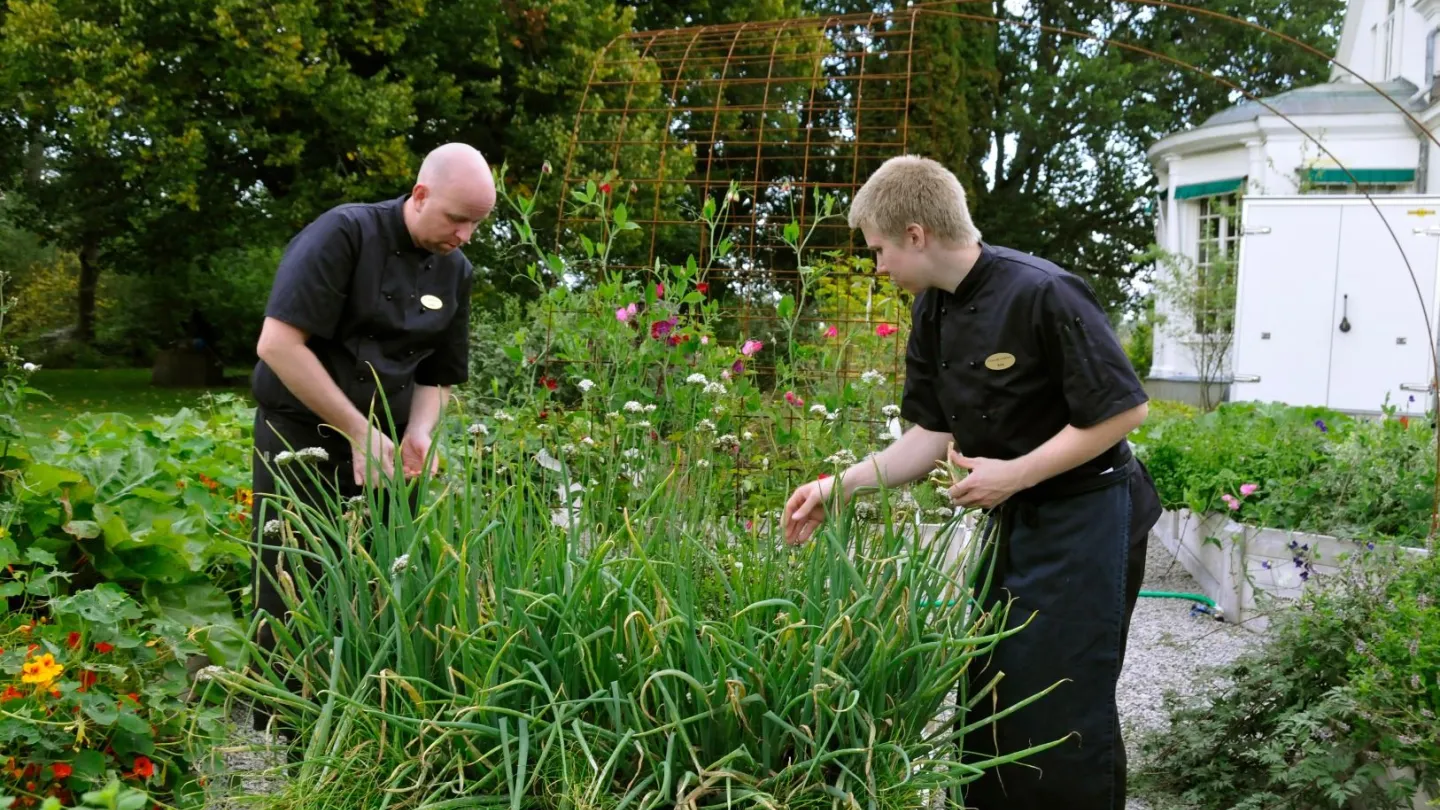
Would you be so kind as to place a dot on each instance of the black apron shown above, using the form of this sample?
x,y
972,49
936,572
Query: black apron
x,y
1075,562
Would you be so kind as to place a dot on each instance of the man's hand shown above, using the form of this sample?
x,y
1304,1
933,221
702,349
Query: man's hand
x,y
990,483
381,457
805,511
413,449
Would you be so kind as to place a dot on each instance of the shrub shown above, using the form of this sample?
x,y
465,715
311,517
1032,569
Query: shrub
x,y
1316,470
1346,688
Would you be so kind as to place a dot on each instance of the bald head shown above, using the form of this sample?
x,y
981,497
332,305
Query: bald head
x,y
454,191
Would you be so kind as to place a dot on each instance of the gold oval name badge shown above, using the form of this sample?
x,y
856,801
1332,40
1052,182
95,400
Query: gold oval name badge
x,y
1000,361
431,302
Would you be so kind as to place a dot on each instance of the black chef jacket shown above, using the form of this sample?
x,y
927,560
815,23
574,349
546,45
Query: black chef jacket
x,y
1021,349
356,283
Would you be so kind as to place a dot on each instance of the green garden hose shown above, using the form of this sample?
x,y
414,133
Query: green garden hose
x,y
1194,597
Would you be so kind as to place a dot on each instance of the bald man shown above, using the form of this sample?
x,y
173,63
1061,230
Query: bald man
x,y
370,299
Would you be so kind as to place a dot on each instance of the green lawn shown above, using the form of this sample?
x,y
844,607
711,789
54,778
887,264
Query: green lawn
x,y
127,390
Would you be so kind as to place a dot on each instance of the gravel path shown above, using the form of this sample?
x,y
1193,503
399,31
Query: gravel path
x,y
1167,646
1168,649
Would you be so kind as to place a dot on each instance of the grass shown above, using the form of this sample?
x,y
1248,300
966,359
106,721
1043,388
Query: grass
x,y
71,392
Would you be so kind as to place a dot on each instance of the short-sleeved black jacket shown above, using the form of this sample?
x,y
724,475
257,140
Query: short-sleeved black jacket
x,y
381,313
1018,351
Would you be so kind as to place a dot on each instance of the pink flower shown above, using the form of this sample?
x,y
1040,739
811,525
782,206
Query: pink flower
x,y
1247,490
704,340
751,347
791,398
622,314
604,188
886,330
1230,501
738,367
659,290
660,329
832,331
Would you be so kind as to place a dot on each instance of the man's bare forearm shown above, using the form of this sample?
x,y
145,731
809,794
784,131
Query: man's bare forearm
x,y
425,408
301,372
1074,446
909,458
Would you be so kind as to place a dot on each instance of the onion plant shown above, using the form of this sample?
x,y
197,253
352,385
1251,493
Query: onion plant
x,y
526,631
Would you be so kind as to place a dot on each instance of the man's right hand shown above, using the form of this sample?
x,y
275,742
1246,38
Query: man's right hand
x,y
373,459
805,511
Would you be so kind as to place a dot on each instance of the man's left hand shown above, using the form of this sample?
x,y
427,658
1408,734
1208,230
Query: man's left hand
x,y
413,449
990,483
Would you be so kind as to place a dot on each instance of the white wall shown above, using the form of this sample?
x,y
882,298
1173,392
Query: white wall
x,y
1385,147
1362,48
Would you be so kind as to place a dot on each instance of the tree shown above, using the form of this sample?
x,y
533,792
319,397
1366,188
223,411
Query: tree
x,y
1074,118
164,131
1199,313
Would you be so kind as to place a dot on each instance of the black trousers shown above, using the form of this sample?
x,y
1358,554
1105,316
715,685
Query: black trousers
x,y
274,434
1076,564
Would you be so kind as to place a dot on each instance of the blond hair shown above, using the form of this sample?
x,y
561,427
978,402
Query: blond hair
x,y
912,189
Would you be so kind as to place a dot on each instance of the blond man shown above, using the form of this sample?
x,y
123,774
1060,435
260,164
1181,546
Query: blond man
x,y
1014,360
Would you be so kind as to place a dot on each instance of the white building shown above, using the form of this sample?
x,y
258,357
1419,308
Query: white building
x,y
1327,309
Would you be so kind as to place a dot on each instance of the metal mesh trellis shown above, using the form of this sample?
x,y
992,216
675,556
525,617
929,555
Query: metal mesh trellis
x,y
781,110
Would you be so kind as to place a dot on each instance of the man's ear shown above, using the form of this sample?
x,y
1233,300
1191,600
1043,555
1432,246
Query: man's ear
x,y
419,193
915,235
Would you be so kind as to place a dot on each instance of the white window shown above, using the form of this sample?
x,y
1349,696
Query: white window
x,y
1215,258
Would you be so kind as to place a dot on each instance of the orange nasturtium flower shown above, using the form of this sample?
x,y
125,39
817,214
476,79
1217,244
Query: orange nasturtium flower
x,y
41,670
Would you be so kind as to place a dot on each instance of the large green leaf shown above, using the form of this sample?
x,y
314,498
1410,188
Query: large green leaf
x,y
43,478
203,609
105,603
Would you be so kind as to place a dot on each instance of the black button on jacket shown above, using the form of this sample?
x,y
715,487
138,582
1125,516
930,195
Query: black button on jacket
x,y
1020,350
381,313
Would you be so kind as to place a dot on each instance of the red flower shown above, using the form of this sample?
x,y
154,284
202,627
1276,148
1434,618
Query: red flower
x,y
144,768
11,693
886,330
676,340
604,188
87,679
703,288
62,771
550,383
104,647
73,640
823,476
660,329
1405,422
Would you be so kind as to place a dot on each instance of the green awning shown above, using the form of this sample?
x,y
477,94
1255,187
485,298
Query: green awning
x,y
1213,187
1364,176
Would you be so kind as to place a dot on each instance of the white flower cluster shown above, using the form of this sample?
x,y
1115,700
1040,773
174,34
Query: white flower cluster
x,y
891,411
631,453
502,416
706,426
273,527
696,379
643,424
634,407
844,457
586,385
715,388
703,464
872,377
479,429
401,563
728,442
865,510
